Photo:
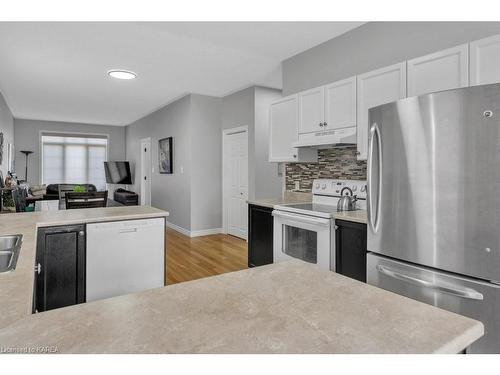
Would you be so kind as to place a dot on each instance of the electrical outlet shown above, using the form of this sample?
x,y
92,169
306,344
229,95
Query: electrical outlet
x,y
297,185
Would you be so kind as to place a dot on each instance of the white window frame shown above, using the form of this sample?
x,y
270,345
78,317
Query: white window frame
x,y
61,134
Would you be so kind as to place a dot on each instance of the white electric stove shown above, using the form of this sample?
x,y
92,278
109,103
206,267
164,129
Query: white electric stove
x,y
306,231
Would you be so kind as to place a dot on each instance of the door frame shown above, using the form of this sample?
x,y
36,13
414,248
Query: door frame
x,y
143,189
225,193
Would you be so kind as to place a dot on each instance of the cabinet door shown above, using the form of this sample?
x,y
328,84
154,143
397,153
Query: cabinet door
x,y
311,110
485,61
260,236
350,249
340,104
61,255
375,88
443,70
283,129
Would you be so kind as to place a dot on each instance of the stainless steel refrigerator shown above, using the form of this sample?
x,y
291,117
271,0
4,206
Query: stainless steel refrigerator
x,y
434,203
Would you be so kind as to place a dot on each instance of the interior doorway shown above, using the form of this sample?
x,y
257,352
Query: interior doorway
x,y
235,181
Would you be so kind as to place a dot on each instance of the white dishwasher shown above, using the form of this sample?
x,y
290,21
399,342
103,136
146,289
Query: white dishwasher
x,y
124,257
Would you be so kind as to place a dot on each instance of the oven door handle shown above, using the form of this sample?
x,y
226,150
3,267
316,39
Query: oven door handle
x,y
302,219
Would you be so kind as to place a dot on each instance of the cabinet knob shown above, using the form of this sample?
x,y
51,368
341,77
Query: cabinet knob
x,y
295,155
358,152
325,124
38,268
321,124
81,233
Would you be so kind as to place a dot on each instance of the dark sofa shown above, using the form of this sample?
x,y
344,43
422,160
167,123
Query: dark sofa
x,y
52,192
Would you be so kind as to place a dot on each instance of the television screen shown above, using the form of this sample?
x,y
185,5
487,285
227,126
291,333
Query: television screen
x,y
117,172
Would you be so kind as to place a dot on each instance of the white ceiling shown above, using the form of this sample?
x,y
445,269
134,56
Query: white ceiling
x,y
57,71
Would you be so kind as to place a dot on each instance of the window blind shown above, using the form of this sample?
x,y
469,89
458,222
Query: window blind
x,y
74,159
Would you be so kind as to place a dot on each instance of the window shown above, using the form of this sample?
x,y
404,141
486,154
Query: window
x,y
74,159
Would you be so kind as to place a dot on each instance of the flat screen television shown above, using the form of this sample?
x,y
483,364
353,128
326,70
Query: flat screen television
x,y
118,172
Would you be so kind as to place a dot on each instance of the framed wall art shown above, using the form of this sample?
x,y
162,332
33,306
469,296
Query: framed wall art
x,y
165,155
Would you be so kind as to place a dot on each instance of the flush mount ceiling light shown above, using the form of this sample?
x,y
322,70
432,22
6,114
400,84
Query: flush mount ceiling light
x,y
121,74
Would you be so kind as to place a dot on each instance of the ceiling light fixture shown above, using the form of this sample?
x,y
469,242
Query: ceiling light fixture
x,y
121,74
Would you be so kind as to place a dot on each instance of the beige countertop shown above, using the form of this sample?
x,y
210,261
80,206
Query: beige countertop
x,y
16,287
358,216
289,197
289,307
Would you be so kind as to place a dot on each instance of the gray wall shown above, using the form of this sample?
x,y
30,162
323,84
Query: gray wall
x,y
238,109
206,162
375,45
268,184
170,192
27,137
193,197
250,107
7,128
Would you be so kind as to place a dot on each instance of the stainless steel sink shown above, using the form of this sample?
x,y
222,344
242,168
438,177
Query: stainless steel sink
x,y
9,251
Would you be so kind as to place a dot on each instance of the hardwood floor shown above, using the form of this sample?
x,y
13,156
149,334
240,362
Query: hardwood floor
x,y
194,258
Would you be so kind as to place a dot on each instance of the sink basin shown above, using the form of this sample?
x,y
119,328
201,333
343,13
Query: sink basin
x,y
10,241
9,251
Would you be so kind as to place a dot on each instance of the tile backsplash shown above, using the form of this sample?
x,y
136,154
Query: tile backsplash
x,y
338,163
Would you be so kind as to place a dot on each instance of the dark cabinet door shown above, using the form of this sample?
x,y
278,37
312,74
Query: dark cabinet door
x,y
61,259
350,249
260,236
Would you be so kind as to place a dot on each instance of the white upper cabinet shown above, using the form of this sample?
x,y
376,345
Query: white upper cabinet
x,y
485,61
439,71
283,132
340,104
311,110
375,88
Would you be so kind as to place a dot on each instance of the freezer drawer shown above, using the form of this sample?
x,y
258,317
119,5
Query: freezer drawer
x,y
473,298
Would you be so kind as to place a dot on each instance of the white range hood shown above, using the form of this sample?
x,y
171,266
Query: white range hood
x,y
327,139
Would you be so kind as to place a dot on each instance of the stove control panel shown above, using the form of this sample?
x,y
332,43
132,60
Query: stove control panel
x,y
334,188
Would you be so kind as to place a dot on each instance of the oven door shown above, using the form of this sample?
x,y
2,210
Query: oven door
x,y
302,237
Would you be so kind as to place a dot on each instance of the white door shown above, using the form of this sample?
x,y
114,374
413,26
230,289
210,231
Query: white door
x,y
376,88
340,104
443,70
311,110
236,182
146,172
485,61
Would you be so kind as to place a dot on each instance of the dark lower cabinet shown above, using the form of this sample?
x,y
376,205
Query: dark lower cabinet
x,y
350,249
60,267
260,235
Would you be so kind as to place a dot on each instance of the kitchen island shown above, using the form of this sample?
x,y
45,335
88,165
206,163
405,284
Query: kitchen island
x,y
16,287
288,307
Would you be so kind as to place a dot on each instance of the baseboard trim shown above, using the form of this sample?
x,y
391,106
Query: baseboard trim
x,y
178,229
206,232
194,233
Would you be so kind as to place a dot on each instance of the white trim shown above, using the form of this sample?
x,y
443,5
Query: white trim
x,y
150,174
225,133
177,228
205,232
194,233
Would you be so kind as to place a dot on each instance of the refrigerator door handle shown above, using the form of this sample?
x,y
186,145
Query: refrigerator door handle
x,y
374,132
468,293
